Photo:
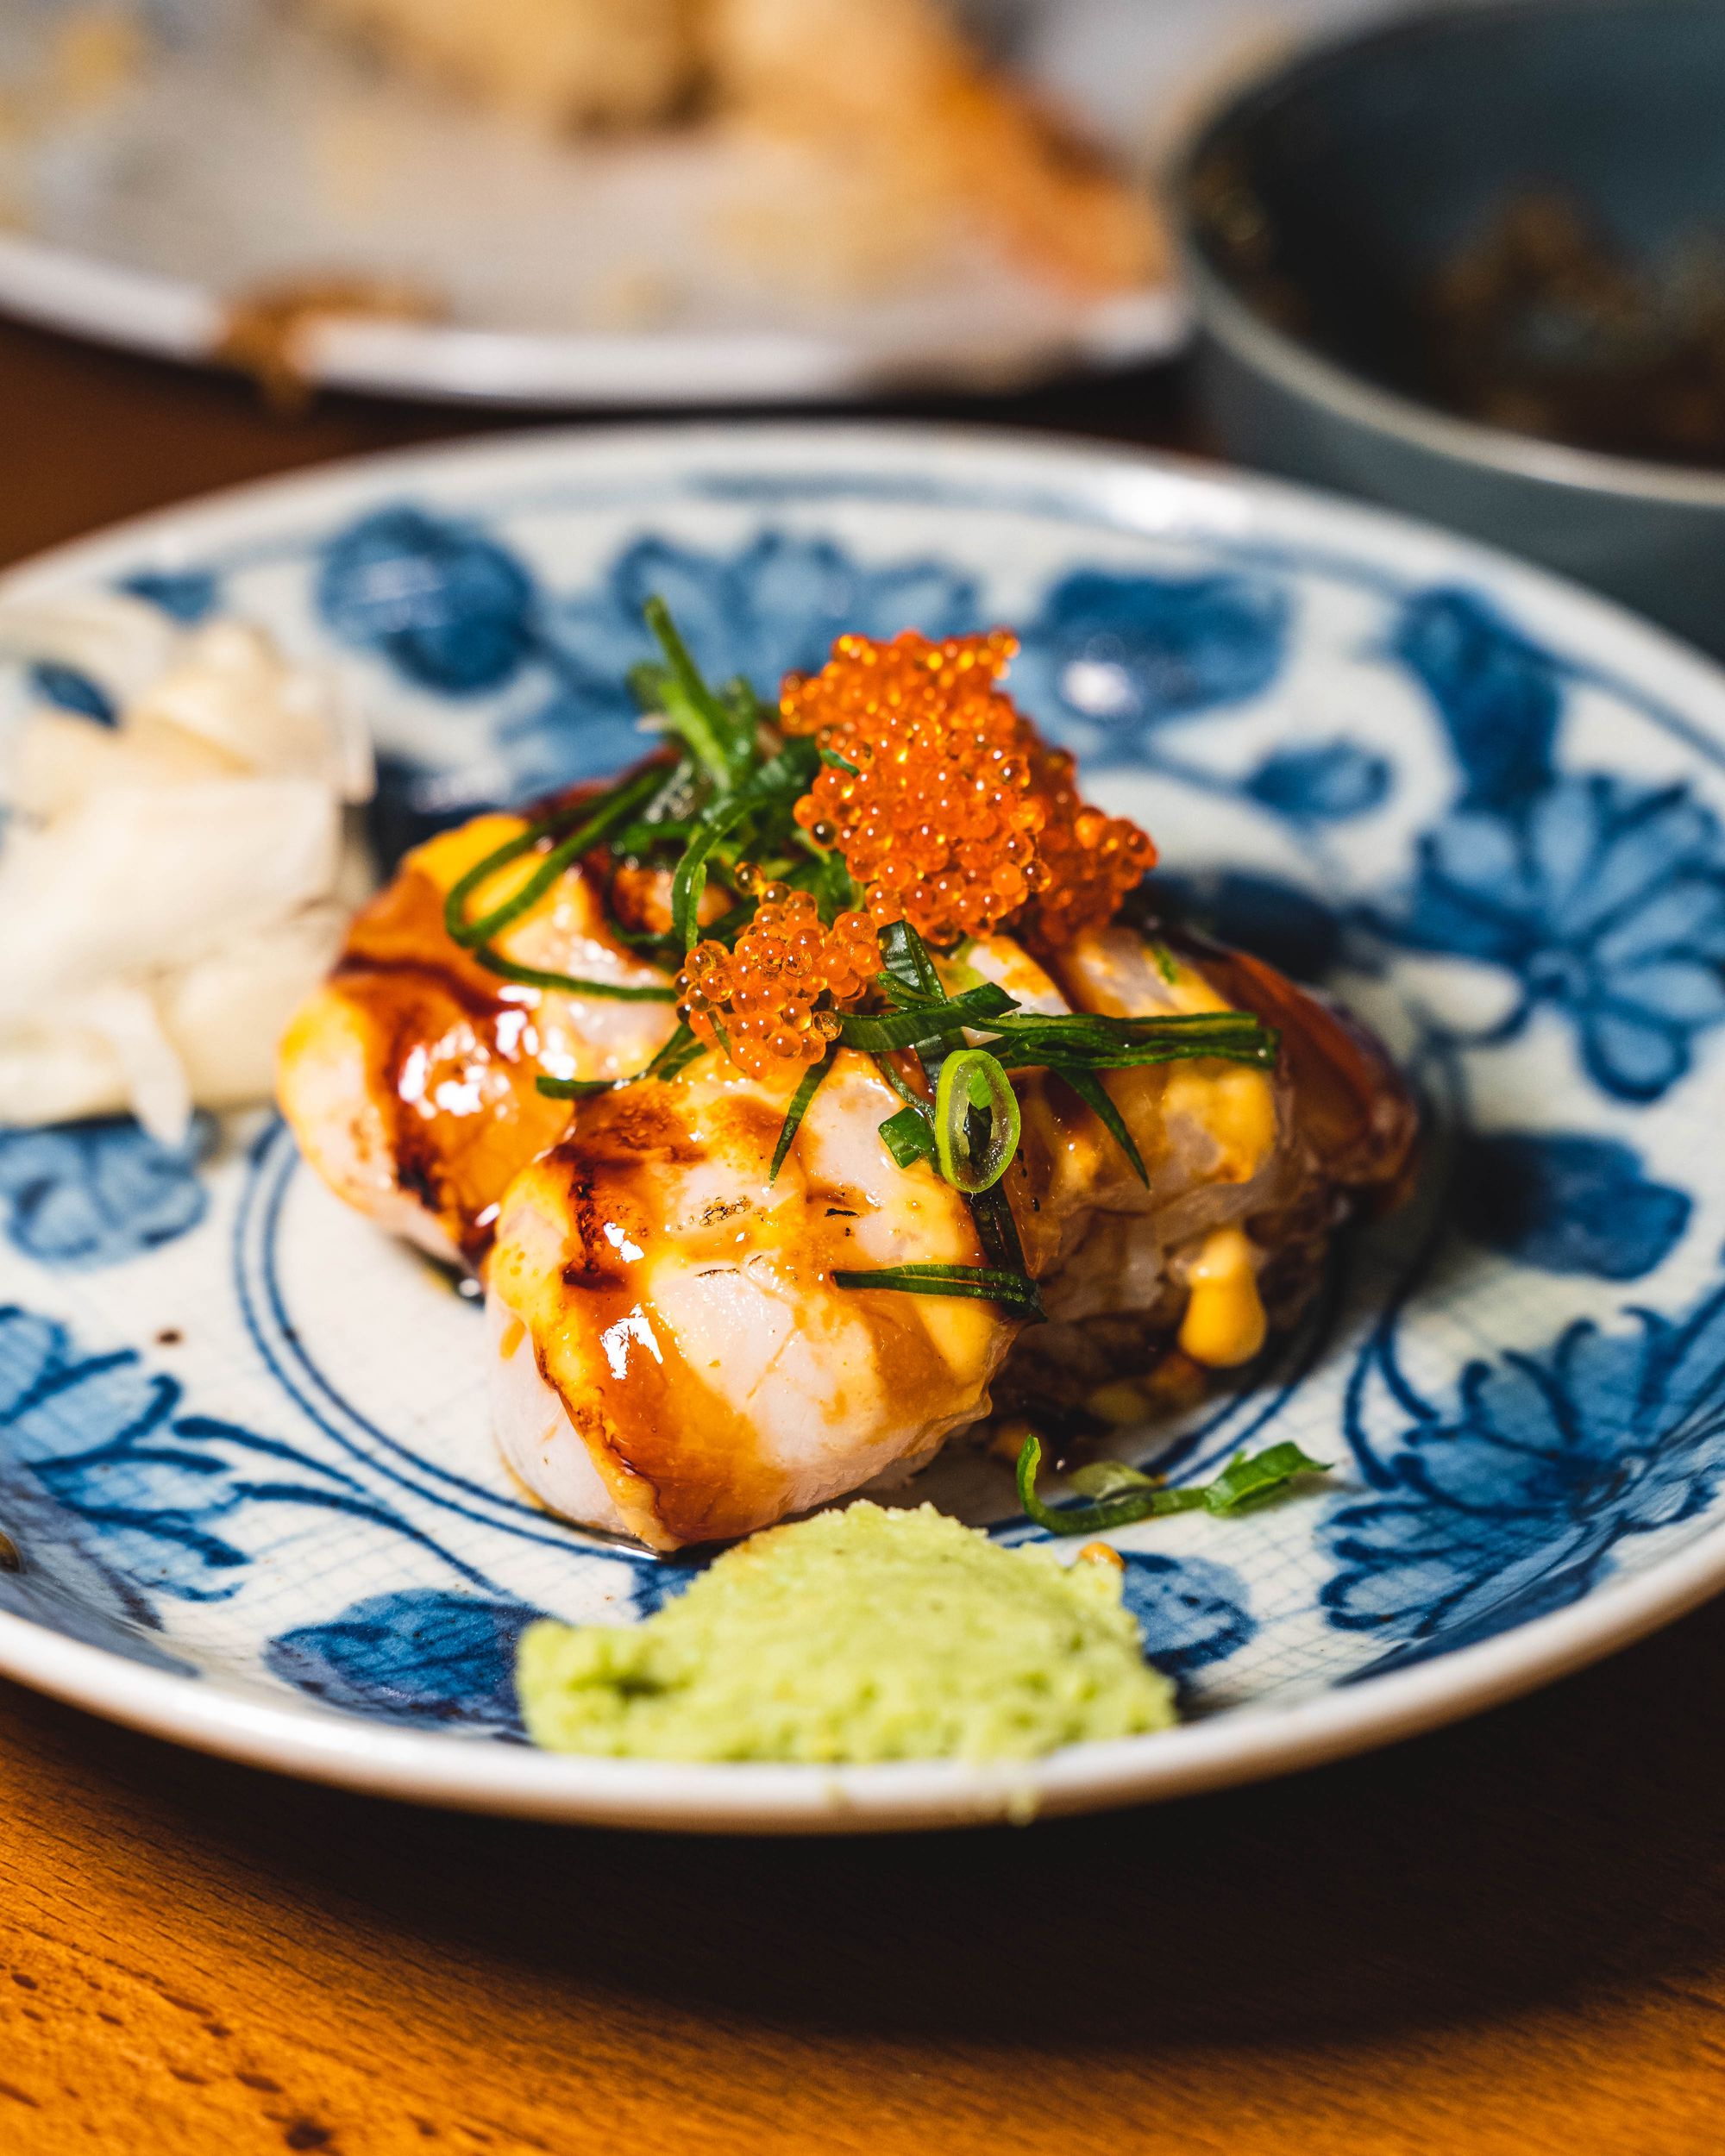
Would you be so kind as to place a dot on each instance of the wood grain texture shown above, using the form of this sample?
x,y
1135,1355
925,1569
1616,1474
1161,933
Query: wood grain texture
x,y
1506,1939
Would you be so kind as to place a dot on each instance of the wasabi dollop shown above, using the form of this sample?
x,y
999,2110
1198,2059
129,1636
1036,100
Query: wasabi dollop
x,y
864,1634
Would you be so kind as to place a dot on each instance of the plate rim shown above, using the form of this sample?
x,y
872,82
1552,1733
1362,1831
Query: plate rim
x,y
1224,1749
169,317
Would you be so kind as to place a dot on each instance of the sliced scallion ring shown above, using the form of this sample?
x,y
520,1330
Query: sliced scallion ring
x,y
973,1087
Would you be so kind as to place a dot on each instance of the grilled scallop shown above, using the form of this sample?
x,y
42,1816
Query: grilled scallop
x,y
408,1078
1249,1173
673,1358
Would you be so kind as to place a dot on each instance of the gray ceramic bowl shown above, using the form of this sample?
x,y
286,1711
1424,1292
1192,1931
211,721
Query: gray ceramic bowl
x,y
1316,204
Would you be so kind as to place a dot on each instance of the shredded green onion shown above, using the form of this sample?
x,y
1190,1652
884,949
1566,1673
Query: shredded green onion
x,y
776,785
573,984
678,1053
908,1136
612,810
981,1283
925,1024
1088,1042
997,1232
1244,1483
905,959
1094,1093
719,736
799,1108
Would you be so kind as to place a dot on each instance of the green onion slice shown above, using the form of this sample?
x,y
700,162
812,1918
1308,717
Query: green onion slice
x,y
981,1283
975,1089
1244,1483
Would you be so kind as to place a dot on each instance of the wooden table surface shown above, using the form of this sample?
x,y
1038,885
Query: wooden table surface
x,y
1507,1937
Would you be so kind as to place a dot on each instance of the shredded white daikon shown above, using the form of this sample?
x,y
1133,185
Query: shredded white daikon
x,y
170,885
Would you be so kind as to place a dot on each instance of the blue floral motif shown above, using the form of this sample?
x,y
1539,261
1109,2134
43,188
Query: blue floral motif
x,y
1111,654
61,1581
1607,899
1190,1612
1507,1500
772,605
565,737
188,595
155,1496
1326,784
1567,1203
449,606
78,1195
69,690
1498,694
417,1655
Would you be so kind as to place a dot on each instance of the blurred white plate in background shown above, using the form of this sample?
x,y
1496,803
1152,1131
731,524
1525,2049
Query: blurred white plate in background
x,y
246,150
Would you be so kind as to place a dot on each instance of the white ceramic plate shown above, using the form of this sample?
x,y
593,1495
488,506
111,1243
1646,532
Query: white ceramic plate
x,y
247,151
242,1446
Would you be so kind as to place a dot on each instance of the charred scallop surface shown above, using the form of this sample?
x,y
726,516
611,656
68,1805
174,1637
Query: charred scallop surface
x,y
410,1079
673,1360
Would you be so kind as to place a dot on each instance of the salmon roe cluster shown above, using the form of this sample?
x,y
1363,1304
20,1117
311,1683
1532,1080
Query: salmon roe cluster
x,y
760,997
957,817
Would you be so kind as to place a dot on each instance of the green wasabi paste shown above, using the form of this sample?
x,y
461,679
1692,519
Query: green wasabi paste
x,y
864,1635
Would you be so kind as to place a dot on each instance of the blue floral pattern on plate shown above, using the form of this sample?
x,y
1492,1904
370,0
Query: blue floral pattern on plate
x,y
443,602
1506,1501
1109,658
1494,828
1568,1203
1605,900
97,1194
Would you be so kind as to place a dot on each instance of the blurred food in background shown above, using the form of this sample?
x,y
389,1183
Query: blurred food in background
x,y
890,115
637,200
1472,264
1546,323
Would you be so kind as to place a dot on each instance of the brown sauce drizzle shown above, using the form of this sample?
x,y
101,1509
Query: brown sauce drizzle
x,y
644,1413
453,1060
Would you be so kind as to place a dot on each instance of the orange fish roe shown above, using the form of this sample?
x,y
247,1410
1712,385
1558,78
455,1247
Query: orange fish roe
x,y
762,994
958,818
